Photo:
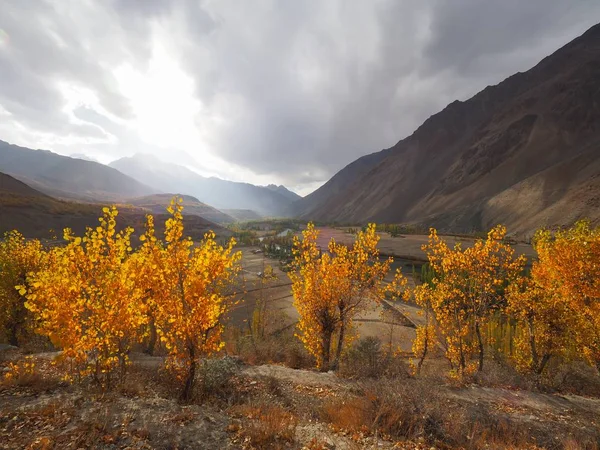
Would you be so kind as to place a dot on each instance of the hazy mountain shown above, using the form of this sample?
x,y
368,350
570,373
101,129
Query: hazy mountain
x,y
35,214
158,204
82,156
525,153
242,215
292,196
65,177
218,193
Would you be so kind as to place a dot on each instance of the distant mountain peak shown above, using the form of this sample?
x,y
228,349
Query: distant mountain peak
x,y
213,191
83,156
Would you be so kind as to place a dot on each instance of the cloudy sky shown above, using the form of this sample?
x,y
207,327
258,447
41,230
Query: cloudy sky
x,y
259,91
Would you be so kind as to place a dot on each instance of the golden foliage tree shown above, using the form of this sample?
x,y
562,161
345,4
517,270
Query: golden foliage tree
x,y
468,288
568,269
147,266
193,294
18,257
544,324
86,300
330,288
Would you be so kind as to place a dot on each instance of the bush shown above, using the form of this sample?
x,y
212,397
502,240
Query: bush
x,y
216,376
367,359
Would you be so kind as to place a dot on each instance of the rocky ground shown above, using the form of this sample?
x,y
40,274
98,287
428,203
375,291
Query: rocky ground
x,y
272,406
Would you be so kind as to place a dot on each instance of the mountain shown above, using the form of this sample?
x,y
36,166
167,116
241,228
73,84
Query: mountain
x,y
218,193
65,177
82,156
158,203
242,215
525,153
292,196
35,214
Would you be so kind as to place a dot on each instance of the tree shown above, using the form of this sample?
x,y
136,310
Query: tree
x,y
425,334
147,266
569,270
86,302
330,288
468,288
193,295
544,324
18,257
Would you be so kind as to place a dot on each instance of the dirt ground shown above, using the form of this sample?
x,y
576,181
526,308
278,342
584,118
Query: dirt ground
x,y
144,413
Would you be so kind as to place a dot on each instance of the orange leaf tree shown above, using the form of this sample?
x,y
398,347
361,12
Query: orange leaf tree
x,y
468,287
194,293
146,265
18,257
330,288
85,300
544,327
569,271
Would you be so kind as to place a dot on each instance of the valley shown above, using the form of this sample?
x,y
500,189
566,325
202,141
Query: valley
x,y
166,285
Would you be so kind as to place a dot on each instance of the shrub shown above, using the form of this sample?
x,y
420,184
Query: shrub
x,y
266,426
367,359
216,376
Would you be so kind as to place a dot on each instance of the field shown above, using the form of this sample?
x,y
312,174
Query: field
x,y
393,323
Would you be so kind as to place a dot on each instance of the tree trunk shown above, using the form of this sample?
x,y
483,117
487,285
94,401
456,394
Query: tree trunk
x,y
325,351
543,363
13,335
480,343
462,362
425,348
338,350
152,338
534,354
191,378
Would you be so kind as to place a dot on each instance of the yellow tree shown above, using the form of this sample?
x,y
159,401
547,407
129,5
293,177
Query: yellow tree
x,y
146,265
468,288
425,334
544,324
18,257
569,269
330,288
85,301
195,292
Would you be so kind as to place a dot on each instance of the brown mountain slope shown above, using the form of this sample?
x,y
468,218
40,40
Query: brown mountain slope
x,y
157,204
35,214
70,178
482,161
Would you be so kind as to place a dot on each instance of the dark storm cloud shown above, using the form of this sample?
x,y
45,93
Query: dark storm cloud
x,y
292,90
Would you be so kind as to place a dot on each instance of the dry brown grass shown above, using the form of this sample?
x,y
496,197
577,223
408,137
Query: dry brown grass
x,y
283,348
412,410
267,426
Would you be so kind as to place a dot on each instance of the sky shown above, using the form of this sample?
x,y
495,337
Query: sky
x,y
284,92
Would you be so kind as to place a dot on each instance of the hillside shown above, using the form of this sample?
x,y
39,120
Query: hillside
x,y
35,214
218,193
281,189
525,153
65,177
158,203
242,215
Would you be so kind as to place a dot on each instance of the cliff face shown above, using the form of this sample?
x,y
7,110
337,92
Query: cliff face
x,y
525,153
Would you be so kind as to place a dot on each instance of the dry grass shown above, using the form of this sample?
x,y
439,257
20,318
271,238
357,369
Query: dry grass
x,y
414,410
265,426
283,348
